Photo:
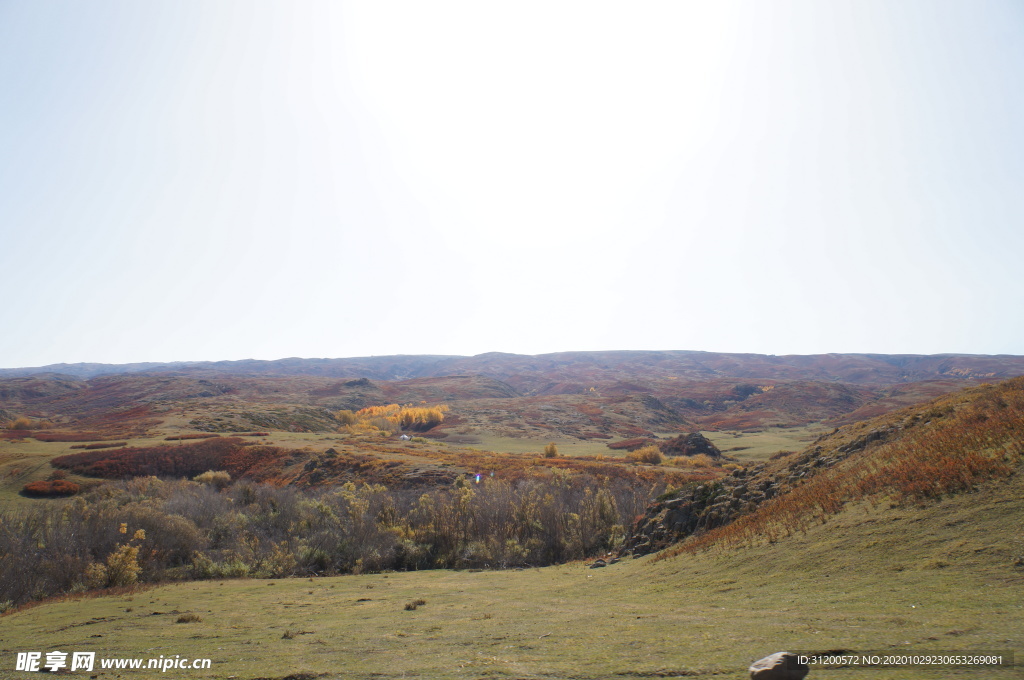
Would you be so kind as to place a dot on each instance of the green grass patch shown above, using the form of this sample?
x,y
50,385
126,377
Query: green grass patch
x,y
566,447
759,446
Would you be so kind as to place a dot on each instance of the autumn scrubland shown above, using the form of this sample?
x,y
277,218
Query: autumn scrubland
x,y
482,497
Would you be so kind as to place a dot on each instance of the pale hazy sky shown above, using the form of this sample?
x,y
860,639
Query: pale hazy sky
x,y
205,180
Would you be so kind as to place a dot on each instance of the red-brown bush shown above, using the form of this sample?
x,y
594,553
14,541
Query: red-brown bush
x,y
51,489
630,444
68,436
181,460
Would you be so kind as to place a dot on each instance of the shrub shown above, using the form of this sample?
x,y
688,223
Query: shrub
x,y
56,488
551,451
701,460
648,454
279,563
21,423
95,576
123,566
189,618
218,479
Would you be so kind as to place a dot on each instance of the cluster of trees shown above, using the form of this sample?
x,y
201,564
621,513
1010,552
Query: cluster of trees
x,y
212,528
23,423
392,418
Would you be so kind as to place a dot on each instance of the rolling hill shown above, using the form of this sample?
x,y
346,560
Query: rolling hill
x,y
574,395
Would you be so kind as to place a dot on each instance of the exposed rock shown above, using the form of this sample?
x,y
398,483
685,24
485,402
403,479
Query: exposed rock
x,y
869,438
598,564
779,666
690,445
708,505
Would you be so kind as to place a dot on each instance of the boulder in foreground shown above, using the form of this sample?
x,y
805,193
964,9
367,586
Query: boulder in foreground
x,y
779,666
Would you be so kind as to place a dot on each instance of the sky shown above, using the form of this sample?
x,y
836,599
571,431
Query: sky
x,y
206,180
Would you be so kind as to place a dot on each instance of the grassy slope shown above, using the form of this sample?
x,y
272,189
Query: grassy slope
x,y
935,578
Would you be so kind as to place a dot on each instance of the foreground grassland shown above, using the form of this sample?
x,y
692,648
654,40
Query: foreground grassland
x,y
945,577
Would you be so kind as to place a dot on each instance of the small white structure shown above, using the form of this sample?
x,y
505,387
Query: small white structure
x,y
405,437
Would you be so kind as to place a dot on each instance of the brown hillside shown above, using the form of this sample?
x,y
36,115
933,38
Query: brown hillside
x,y
948,445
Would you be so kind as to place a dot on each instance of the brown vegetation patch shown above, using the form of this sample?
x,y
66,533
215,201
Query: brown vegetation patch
x,y
55,488
630,444
69,436
181,460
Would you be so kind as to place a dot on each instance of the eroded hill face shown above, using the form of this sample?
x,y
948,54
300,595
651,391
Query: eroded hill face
x,y
944,447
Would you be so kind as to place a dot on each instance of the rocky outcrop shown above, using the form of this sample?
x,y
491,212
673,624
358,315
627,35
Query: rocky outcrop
x,y
690,445
707,505
696,508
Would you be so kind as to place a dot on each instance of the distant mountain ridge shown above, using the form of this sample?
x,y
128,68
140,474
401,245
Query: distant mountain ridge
x,y
580,395
529,371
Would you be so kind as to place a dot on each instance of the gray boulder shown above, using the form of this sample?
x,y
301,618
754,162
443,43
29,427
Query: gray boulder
x,y
779,666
